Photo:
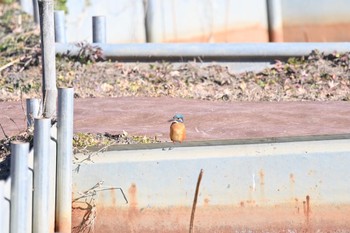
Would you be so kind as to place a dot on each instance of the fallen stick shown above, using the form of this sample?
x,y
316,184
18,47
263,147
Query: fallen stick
x,y
10,64
195,200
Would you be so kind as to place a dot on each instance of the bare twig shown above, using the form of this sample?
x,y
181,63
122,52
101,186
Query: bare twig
x,y
91,154
10,64
195,201
98,188
22,106
3,131
88,221
19,130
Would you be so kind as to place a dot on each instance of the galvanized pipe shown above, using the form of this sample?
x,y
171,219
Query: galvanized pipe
x,y
33,108
3,208
41,199
26,6
275,21
60,31
20,201
53,153
64,160
249,52
30,190
99,29
47,33
36,11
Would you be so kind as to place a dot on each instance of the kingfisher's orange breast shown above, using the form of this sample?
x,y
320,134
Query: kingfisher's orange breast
x,y
177,132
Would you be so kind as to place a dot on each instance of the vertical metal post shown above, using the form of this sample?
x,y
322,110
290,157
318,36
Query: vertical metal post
x,y
26,6
36,11
30,189
53,157
48,57
60,32
3,208
99,29
64,160
146,8
275,21
41,198
33,108
20,202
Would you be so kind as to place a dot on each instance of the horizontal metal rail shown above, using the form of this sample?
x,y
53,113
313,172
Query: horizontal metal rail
x,y
227,52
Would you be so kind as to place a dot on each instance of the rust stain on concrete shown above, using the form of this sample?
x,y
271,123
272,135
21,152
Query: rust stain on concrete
x,y
133,210
317,33
254,33
262,185
114,197
292,186
279,218
206,202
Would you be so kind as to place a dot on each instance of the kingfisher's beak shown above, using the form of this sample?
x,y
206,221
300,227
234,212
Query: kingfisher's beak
x,y
172,119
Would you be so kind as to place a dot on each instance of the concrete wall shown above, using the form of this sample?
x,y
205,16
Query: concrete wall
x,y
133,21
295,186
207,21
316,21
125,20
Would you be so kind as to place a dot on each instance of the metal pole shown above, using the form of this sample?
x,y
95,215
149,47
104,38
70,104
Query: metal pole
x,y
53,157
5,218
36,11
30,190
60,32
215,52
99,29
41,199
20,202
48,57
26,6
3,208
64,160
33,107
275,21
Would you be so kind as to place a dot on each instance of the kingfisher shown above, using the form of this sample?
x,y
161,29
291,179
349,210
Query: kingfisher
x,y
177,128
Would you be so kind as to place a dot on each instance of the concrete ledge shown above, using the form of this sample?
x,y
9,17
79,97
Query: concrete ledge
x,y
281,178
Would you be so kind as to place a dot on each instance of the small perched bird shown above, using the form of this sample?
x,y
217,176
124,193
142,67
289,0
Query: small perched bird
x,y
177,129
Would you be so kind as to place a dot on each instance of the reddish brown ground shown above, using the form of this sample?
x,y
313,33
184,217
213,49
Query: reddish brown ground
x,y
204,120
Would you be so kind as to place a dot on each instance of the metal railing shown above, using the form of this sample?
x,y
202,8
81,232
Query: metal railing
x,y
37,195
238,57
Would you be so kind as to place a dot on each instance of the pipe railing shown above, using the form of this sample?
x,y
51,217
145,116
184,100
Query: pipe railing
x,y
42,192
218,52
17,212
51,208
63,221
32,110
20,222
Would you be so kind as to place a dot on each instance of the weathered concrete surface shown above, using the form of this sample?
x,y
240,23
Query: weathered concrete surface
x,y
296,186
204,119
220,220
317,33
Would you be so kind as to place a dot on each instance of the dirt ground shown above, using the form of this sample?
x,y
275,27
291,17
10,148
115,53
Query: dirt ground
x,y
205,120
